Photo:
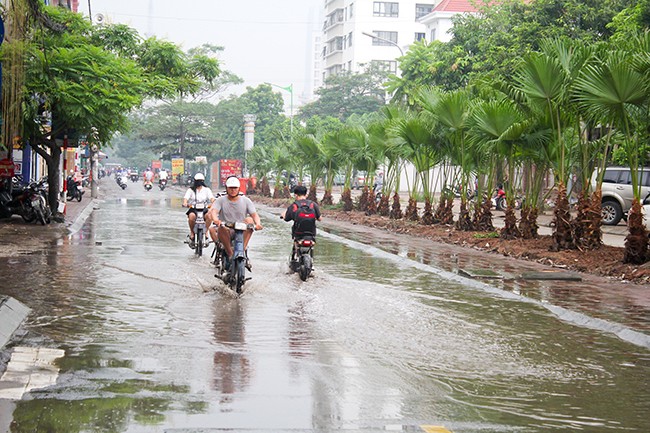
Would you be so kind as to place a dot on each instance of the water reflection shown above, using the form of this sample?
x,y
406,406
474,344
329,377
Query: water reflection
x,y
232,367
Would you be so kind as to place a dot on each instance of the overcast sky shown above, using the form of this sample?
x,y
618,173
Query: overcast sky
x,y
264,40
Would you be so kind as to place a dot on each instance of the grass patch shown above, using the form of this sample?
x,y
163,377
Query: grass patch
x,y
487,235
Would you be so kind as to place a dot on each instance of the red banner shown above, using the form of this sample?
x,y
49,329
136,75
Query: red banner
x,y
6,168
229,167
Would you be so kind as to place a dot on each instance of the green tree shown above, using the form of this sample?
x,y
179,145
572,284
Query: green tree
x,y
347,94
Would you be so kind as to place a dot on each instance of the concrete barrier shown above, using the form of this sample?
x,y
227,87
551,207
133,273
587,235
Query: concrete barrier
x,y
12,315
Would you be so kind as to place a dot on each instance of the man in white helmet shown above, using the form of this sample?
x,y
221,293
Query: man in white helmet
x,y
197,193
231,208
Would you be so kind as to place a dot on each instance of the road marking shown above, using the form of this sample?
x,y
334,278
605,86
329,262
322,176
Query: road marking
x,y
434,429
29,368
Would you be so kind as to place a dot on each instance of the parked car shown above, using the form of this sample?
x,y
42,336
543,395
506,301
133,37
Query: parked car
x,y
358,180
617,192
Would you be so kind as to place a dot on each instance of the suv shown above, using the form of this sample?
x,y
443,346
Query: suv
x,y
617,192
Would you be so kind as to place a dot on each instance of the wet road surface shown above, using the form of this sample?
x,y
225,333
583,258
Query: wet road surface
x,y
375,341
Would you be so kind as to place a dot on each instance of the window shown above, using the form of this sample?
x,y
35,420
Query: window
x,y
386,65
611,176
422,10
419,36
350,39
351,10
388,36
433,35
385,9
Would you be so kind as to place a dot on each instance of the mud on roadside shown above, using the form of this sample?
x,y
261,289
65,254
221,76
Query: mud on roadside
x,y
606,261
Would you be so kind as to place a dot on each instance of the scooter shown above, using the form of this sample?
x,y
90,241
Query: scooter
x,y
147,185
121,181
200,230
162,183
75,190
233,271
134,177
27,201
302,257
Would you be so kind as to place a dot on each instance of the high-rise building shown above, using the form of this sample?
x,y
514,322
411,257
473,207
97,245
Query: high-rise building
x,y
358,32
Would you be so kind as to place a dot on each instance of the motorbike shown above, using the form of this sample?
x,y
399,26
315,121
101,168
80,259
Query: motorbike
x,y
162,183
500,202
121,180
147,185
302,257
75,190
200,229
233,271
133,177
28,201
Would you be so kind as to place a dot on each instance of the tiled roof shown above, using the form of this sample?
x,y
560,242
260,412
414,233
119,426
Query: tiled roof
x,y
455,6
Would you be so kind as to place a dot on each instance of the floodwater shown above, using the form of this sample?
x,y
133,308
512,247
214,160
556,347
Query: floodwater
x,y
374,341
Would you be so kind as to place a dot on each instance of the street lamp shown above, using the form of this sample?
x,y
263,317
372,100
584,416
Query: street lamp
x,y
289,89
384,40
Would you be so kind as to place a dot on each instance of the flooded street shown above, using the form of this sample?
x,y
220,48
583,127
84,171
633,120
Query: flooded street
x,y
376,340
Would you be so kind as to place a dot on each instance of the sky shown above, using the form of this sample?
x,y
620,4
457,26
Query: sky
x,y
264,40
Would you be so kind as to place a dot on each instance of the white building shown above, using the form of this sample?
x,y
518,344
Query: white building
x,y
346,47
395,25
439,22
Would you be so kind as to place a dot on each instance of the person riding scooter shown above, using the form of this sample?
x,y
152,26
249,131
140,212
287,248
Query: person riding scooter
x,y
231,208
304,213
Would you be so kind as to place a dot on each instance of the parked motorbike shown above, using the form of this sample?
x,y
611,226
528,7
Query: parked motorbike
x,y
162,183
75,190
233,271
28,201
302,257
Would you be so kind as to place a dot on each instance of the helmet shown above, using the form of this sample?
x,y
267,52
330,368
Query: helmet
x,y
199,176
232,182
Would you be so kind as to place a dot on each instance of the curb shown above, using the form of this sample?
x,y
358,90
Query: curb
x,y
12,315
81,218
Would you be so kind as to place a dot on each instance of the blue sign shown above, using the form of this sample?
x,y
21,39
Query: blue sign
x,y
2,30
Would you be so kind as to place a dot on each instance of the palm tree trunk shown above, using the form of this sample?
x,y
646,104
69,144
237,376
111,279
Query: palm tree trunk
x,y
396,209
563,235
636,241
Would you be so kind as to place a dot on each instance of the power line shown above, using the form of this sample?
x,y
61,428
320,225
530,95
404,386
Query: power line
x,y
282,23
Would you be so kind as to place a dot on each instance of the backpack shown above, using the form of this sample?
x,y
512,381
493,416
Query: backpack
x,y
304,218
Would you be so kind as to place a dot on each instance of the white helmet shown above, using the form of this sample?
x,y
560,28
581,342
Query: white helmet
x,y
232,182
199,176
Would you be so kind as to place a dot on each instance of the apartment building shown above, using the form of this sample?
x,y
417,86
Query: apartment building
x,y
347,24
357,32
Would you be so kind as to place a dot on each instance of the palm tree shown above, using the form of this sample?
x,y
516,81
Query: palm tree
x,y
451,110
259,162
497,127
543,81
417,135
308,150
615,92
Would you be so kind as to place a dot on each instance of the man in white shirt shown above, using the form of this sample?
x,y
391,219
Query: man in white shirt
x,y
198,193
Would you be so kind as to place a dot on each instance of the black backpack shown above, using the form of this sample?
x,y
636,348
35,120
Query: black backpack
x,y
304,217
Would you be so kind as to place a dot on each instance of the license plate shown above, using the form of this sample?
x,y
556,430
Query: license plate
x,y
199,206
241,226
35,203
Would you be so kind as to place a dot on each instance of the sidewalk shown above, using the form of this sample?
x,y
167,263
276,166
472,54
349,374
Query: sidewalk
x,y
18,238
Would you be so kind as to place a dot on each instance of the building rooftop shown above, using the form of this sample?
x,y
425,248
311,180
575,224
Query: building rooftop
x,y
455,6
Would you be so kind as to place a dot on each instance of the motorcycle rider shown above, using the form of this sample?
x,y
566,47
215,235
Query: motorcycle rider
x,y
231,208
147,177
162,176
304,213
197,193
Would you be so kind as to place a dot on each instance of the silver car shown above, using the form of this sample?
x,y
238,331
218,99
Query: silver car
x,y
617,192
